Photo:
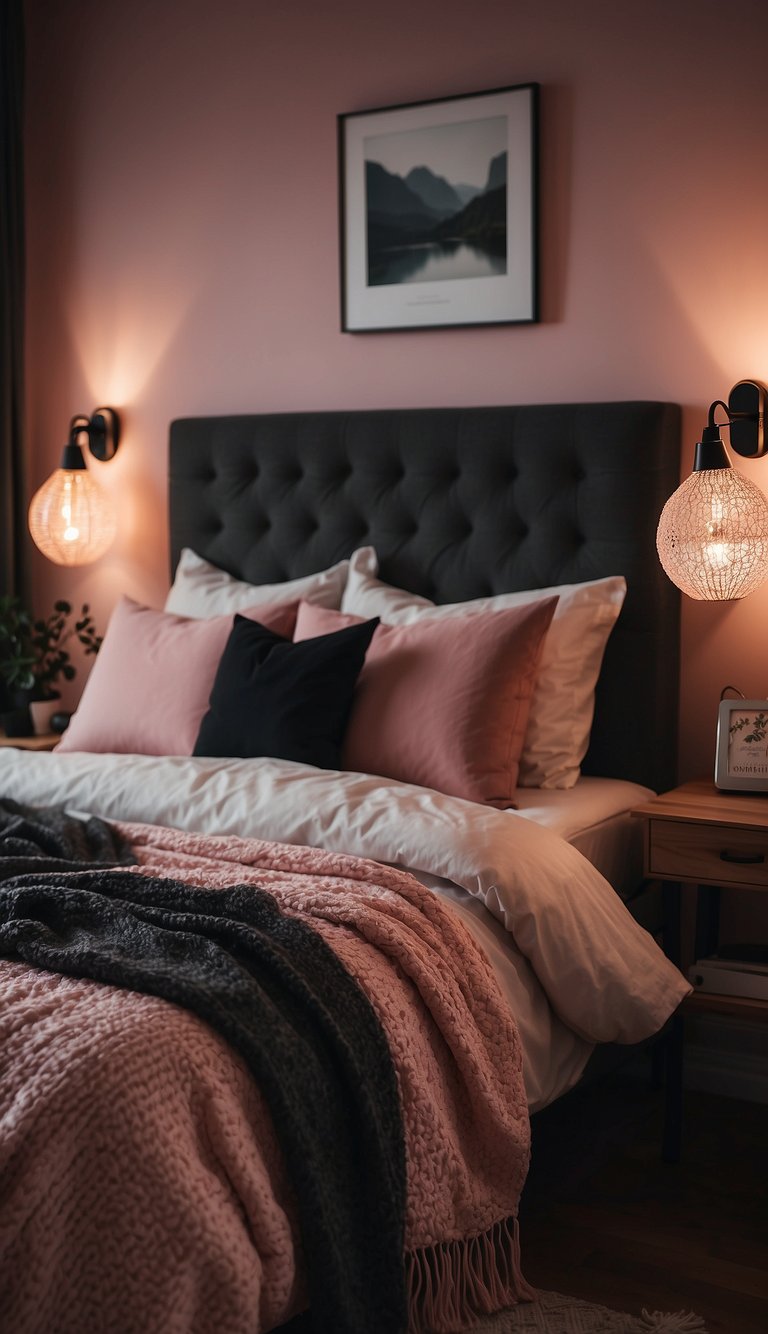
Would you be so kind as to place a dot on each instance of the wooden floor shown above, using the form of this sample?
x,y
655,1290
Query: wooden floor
x,y
603,1218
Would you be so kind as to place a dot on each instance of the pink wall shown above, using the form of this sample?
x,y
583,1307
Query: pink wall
x,y
183,234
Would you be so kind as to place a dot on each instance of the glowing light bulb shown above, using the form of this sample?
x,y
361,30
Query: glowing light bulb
x,y
71,520
712,537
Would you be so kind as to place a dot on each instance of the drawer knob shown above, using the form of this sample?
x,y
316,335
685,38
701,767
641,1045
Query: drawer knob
x,y
743,858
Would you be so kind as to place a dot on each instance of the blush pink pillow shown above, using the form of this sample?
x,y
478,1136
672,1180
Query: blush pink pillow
x,y
149,686
443,703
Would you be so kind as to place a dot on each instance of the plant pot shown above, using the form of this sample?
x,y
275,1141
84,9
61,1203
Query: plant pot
x,y
15,718
16,721
41,711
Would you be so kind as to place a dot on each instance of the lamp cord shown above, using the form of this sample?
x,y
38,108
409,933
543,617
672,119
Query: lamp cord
x,y
735,690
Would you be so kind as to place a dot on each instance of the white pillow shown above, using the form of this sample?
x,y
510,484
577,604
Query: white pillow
x,y
200,589
563,703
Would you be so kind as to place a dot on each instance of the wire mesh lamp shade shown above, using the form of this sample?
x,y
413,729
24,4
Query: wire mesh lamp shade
x,y
70,518
712,537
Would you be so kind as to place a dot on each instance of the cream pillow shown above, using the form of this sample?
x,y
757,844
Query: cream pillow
x,y
563,704
200,589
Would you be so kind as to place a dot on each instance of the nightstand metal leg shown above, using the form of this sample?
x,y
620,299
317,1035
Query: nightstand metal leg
x,y
673,1040
673,1091
707,921
670,931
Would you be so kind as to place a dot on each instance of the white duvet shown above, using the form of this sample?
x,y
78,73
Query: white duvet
x,y
574,965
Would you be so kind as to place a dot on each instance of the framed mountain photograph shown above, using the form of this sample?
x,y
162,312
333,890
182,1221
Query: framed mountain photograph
x,y
439,212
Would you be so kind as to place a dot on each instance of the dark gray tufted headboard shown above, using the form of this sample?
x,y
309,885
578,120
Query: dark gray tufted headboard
x,y
461,502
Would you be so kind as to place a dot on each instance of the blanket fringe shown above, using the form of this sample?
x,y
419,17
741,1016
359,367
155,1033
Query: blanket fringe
x,y
453,1283
669,1322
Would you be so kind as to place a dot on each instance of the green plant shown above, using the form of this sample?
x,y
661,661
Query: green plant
x,y
33,653
759,727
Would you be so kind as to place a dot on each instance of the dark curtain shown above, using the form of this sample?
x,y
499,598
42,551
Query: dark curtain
x,y
12,490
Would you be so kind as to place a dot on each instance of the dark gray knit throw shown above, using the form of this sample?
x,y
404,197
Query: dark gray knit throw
x,y
35,838
270,985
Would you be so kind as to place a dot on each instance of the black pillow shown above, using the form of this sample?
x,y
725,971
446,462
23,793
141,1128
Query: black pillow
x,y
291,701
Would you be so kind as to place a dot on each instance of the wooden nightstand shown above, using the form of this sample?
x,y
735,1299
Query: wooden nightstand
x,y
714,840
46,742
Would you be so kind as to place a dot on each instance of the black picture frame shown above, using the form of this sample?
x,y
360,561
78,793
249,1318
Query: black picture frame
x,y
410,258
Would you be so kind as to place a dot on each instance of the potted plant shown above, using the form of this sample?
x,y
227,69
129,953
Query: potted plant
x,y
34,658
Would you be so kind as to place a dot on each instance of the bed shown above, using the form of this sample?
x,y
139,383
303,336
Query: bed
x,y
478,903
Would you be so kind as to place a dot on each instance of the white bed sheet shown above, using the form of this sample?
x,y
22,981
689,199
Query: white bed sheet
x,y
593,816
554,1056
572,968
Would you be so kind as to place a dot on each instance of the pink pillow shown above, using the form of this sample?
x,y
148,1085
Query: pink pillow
x,y
149,686
443,703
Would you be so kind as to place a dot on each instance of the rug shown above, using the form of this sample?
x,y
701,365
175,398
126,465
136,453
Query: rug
x,y
555,1314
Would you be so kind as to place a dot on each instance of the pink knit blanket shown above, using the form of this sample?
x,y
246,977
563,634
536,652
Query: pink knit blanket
x,y
141,1187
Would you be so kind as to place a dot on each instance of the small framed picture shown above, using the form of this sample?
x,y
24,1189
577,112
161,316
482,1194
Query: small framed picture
x,y
438,212
741,755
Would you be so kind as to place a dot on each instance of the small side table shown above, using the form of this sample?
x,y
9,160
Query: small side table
x,y
48,741
715,840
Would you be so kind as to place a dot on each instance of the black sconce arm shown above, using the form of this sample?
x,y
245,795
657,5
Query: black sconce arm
x,y
103,432
746,419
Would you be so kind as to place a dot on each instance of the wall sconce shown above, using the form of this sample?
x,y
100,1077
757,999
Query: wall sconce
x,y
70,518
712,537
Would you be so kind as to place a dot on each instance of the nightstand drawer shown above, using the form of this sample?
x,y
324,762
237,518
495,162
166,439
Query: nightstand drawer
x,y
708,853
